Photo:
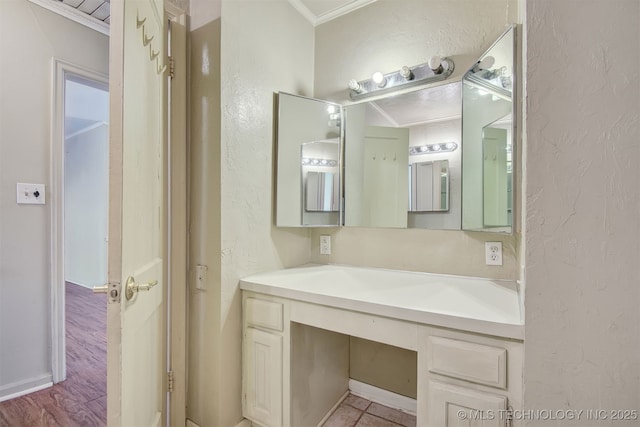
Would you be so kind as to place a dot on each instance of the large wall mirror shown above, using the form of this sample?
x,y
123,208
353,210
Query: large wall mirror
x,y
402,160
488,139
439,157
308,169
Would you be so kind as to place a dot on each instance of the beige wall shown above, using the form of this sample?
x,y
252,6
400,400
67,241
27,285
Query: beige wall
x,y
265,47
30,37
582,345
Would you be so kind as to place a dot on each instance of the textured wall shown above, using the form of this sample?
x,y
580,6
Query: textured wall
x,y
582,346
30,37
265,47
384,36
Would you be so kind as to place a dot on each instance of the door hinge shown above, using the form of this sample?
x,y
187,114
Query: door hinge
x,y
172,67
509,417
170,381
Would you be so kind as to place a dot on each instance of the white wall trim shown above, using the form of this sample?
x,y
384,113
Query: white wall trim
x,y
60,69
383,397
17,389
328,16
85,130
74,15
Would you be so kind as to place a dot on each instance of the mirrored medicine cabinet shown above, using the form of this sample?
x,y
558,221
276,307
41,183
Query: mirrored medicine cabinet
x,y
488,135
308,165
439,157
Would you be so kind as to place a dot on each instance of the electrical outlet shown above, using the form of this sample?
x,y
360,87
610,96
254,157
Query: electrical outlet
x,y
325,245
493,253
201,277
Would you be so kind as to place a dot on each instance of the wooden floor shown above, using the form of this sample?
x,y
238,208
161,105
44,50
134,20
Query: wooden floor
x,y
81,400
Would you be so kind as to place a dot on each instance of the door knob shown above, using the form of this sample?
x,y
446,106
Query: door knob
x,y
131,287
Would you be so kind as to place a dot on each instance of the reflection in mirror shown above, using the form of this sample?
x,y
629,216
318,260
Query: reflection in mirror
x,y
429,186
385,136
308,162
320,177
487,135
496,174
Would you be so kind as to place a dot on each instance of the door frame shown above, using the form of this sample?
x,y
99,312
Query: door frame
x,y
60,69
177,252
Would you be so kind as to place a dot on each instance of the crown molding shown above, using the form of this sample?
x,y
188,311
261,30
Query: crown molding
x,y
74,15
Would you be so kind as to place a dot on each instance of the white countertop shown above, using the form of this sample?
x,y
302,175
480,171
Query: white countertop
x,y
472,304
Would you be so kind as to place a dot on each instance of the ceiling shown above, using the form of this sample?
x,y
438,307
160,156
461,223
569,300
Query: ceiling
x,y
97,9
96,13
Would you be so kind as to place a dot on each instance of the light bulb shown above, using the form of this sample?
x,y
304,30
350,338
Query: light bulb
x,y
406,73
435,63
435,147
424,148
451,146
354,85
379,79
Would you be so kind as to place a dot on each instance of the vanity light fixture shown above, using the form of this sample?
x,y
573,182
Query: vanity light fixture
x,y
437,69
309,161
442,147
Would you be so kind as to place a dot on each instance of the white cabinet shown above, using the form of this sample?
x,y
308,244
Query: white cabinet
x,y
453,406
469,379
263,377
296,364
263,362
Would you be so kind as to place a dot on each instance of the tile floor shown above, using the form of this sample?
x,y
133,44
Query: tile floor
x,y
355,411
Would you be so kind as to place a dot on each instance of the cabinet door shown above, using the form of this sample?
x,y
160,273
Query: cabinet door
x,y
263,377
453,406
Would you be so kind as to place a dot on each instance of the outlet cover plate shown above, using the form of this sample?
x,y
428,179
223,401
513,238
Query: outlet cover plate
x,y
493,253
30,194
325,245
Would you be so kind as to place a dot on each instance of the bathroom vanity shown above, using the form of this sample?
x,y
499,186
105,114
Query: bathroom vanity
x,y
468,334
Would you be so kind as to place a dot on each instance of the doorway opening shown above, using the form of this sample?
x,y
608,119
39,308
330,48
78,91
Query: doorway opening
x,y
80,190
85,207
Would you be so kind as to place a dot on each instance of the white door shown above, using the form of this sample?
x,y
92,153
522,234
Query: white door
x,y
136,386
386,185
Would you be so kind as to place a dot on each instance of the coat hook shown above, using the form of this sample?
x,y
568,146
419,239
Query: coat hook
x,y
160,68
153,54
146,40
139,22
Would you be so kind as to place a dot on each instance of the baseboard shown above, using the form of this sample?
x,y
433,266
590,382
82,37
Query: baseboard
x,y
79,284
244,423
383,397
17,389
332,410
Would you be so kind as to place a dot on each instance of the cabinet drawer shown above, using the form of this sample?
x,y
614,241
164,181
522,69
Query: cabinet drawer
x,y
477,363
264,314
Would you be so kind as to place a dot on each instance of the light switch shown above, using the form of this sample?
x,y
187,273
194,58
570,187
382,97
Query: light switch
x,y
30,194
